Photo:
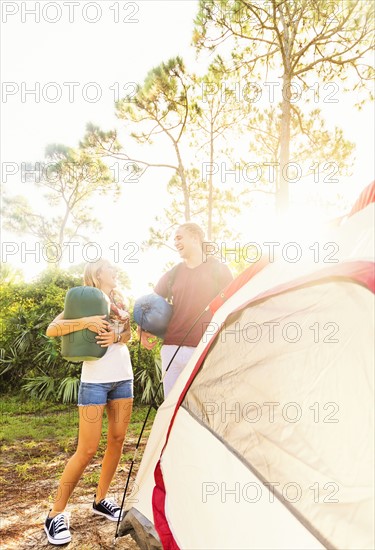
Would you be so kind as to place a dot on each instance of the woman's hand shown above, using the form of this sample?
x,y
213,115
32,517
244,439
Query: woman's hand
x,y
97,323
148,340
106,338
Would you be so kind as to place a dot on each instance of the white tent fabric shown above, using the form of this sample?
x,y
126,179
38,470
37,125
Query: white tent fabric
x,y
204,452
292,410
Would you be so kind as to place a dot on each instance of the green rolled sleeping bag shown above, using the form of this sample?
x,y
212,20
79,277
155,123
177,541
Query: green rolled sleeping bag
x,y
83,301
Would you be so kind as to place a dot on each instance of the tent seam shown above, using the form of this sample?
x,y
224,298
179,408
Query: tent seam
x,y
305,522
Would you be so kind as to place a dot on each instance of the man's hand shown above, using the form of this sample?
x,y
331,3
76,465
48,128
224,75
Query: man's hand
x,y
148,340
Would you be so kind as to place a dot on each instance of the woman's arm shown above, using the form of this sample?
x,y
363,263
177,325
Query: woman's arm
x,y
61,326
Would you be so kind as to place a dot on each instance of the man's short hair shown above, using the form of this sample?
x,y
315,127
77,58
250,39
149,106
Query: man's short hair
x,y
193,228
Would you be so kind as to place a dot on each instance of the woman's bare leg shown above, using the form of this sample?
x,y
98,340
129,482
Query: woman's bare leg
x,y
119,412
90,429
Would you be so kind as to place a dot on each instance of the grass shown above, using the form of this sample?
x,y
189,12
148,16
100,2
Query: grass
x,y
35,420
38,421
33,434
36,440
91,479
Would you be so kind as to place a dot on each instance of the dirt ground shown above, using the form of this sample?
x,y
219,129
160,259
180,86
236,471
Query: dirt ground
x,y
26,495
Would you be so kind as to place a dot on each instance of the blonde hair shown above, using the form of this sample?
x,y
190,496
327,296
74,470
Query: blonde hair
x,y
194,229
91,271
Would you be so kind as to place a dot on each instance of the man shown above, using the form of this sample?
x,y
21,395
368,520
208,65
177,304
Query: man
x,y
192,284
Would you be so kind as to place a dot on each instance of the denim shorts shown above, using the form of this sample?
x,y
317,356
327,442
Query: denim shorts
x,y
102,392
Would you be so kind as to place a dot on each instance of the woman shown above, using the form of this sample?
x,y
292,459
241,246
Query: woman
x,y
106,383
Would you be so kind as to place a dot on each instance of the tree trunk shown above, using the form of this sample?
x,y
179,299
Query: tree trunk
x,y
210,186
185,191
61,234
282,190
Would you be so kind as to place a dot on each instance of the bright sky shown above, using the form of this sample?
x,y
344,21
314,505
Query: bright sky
x,y
103,47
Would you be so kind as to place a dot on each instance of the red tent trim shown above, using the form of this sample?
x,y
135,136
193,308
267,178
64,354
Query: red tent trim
x,y
236,284
158,506
365,198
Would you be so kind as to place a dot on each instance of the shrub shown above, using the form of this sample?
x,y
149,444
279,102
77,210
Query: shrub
x,y
30,361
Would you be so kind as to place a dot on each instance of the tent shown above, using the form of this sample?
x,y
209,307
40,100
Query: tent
x,y
266,440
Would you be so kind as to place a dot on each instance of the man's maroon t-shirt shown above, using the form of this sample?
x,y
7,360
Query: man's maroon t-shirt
x,y
192,290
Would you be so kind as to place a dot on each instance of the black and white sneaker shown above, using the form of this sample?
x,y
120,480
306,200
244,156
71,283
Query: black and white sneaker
x,y
57,529
108,508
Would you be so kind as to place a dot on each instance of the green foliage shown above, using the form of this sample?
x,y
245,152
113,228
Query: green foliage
x,y
301,40
25,351
160,104
68,390
147,372
10,274
310,142
158,111
36,420
28,423
31,362
40,387
147,379
48,388
68,178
